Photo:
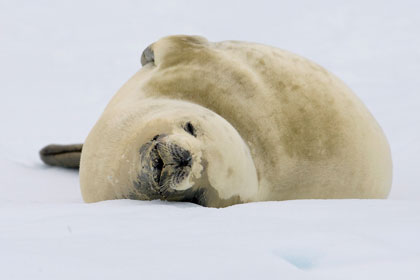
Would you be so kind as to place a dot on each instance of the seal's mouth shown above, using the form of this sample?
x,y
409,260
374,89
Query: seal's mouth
x,y
164,167
171,165
157,164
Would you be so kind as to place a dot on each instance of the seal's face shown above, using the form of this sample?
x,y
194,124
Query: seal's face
x,y
204,160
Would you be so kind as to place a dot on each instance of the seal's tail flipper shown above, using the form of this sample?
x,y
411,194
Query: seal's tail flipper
x,y
67,156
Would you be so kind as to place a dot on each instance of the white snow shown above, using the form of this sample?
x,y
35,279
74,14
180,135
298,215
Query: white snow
x,y
61,62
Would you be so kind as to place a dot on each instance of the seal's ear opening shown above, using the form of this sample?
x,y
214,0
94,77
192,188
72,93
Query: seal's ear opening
x,y
67,156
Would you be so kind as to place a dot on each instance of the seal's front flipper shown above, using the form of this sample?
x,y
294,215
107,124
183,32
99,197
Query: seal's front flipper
x,y
67,156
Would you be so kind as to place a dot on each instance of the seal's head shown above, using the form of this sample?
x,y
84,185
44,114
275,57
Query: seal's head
x,y
167,149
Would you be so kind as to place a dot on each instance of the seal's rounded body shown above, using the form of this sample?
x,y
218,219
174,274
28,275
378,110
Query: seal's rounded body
x,y
232,122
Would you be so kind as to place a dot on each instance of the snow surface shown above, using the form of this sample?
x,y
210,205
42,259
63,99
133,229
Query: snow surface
x,y
61,62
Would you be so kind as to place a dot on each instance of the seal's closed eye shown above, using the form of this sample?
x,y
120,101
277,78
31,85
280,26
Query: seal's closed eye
x,y
188,127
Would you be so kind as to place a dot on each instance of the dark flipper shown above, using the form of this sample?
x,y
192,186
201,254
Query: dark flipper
x,y
67,156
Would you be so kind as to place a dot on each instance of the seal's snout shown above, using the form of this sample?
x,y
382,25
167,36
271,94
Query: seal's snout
x,y
173,155
165,166
176,167
180,156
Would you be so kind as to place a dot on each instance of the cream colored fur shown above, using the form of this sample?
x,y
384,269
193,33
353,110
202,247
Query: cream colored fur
x,y
274,126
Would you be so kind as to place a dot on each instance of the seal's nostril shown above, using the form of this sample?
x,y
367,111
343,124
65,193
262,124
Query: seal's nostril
x,y
147,56
159,137
185,159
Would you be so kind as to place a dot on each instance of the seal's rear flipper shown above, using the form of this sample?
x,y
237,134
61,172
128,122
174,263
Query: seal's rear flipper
x,y
67,156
